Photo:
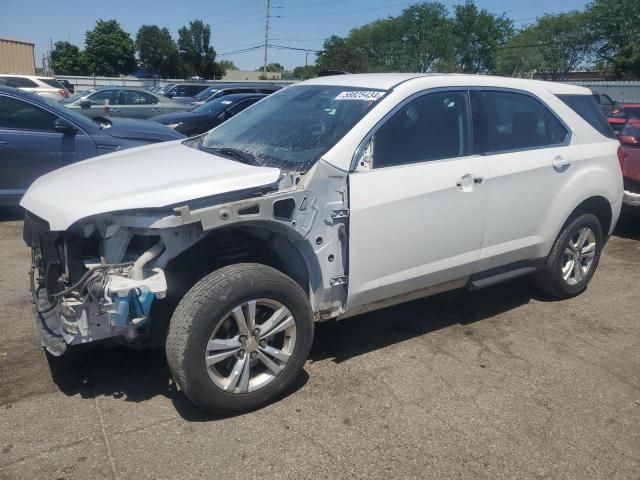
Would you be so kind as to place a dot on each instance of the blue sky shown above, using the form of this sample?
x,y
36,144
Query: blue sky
x,y
236,24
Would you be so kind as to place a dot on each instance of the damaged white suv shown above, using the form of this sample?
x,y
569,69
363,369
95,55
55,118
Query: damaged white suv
x,y
330,198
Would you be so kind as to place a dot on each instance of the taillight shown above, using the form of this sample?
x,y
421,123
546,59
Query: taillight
x,y
622,155
64,93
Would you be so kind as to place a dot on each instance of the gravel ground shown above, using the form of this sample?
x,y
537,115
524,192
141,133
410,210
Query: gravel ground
x,y
496,383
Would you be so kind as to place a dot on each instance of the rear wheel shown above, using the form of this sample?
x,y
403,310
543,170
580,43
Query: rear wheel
x,y
573,259
239,338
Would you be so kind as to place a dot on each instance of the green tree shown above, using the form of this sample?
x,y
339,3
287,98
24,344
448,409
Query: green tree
x,y
109,49
616,26
196,52
68,59
427,38
340,54
551,48
476,34
304,72
227,65
157,52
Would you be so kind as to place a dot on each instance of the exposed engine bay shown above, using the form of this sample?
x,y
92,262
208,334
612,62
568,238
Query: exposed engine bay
x,y
100,278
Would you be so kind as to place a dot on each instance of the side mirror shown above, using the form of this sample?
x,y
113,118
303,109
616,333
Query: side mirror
x,y
629,140
85,103
63,126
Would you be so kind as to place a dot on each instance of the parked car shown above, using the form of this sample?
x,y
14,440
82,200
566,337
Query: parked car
x,y
327,199
618,117
184,92
629,156
67,84
44,86
38,136
207,116
123,102
606,103
220,90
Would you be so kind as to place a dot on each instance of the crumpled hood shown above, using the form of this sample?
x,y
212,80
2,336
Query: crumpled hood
x,y
151,176
135,129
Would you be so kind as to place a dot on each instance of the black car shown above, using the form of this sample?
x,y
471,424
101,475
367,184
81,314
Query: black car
x,y
38,136
184,92
67,84
222,89
205,117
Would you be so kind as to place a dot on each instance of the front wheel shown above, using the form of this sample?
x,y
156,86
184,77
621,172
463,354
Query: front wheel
x,y
239,338
573,259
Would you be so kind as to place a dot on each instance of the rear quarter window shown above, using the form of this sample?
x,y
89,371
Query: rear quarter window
x,y
586,107
51,82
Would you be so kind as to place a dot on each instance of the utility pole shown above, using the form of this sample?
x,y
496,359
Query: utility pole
x,y
266,37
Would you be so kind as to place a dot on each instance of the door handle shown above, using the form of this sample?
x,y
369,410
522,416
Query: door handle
x,y
115,110
155,109
561,163
4,142
468,182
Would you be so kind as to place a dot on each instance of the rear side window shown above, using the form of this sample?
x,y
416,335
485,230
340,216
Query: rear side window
x,y
133,97
20,82
507,121
586,107
52,82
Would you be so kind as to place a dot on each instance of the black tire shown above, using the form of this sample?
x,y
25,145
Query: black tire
x,y
205,306
549,279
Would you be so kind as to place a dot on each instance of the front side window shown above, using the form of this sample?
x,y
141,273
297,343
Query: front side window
x,y
435,126
100,96
18,115
508,121
134,97
294,127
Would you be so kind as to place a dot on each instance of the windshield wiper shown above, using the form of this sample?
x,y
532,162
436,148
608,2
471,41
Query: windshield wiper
x,y
235,154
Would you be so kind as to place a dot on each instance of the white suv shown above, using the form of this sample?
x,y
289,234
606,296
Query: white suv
x,y
47,87
330,198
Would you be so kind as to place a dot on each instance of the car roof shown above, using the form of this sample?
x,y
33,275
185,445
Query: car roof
x,y
387,81
21,93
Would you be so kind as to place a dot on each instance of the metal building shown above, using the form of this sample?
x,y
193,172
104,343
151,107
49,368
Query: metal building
x,y
17,57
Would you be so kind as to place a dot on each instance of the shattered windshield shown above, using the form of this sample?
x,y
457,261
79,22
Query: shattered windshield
x,y
292,128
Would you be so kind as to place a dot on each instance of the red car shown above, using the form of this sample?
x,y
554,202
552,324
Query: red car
x,y
629,157
619,116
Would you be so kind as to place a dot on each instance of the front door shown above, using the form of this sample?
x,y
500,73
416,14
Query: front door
x,y
417,216
30,146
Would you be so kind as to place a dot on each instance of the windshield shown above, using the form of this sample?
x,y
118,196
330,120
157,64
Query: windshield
x,y
206,93
294,127
217,105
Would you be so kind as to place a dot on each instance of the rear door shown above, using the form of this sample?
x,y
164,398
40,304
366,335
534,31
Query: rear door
x,y
30,146
528,155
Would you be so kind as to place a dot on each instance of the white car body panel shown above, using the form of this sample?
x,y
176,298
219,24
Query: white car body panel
x,y
411,228
151,176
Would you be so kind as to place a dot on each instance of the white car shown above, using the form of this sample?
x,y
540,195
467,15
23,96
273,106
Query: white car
x,y
47,87
330,198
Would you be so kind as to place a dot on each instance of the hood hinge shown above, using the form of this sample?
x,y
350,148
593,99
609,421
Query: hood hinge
x,y
339,214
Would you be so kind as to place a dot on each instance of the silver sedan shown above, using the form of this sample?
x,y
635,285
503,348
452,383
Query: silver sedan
x,y
122,102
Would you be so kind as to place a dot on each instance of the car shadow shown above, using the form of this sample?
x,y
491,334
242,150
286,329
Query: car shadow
x,y
629,223
137,375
